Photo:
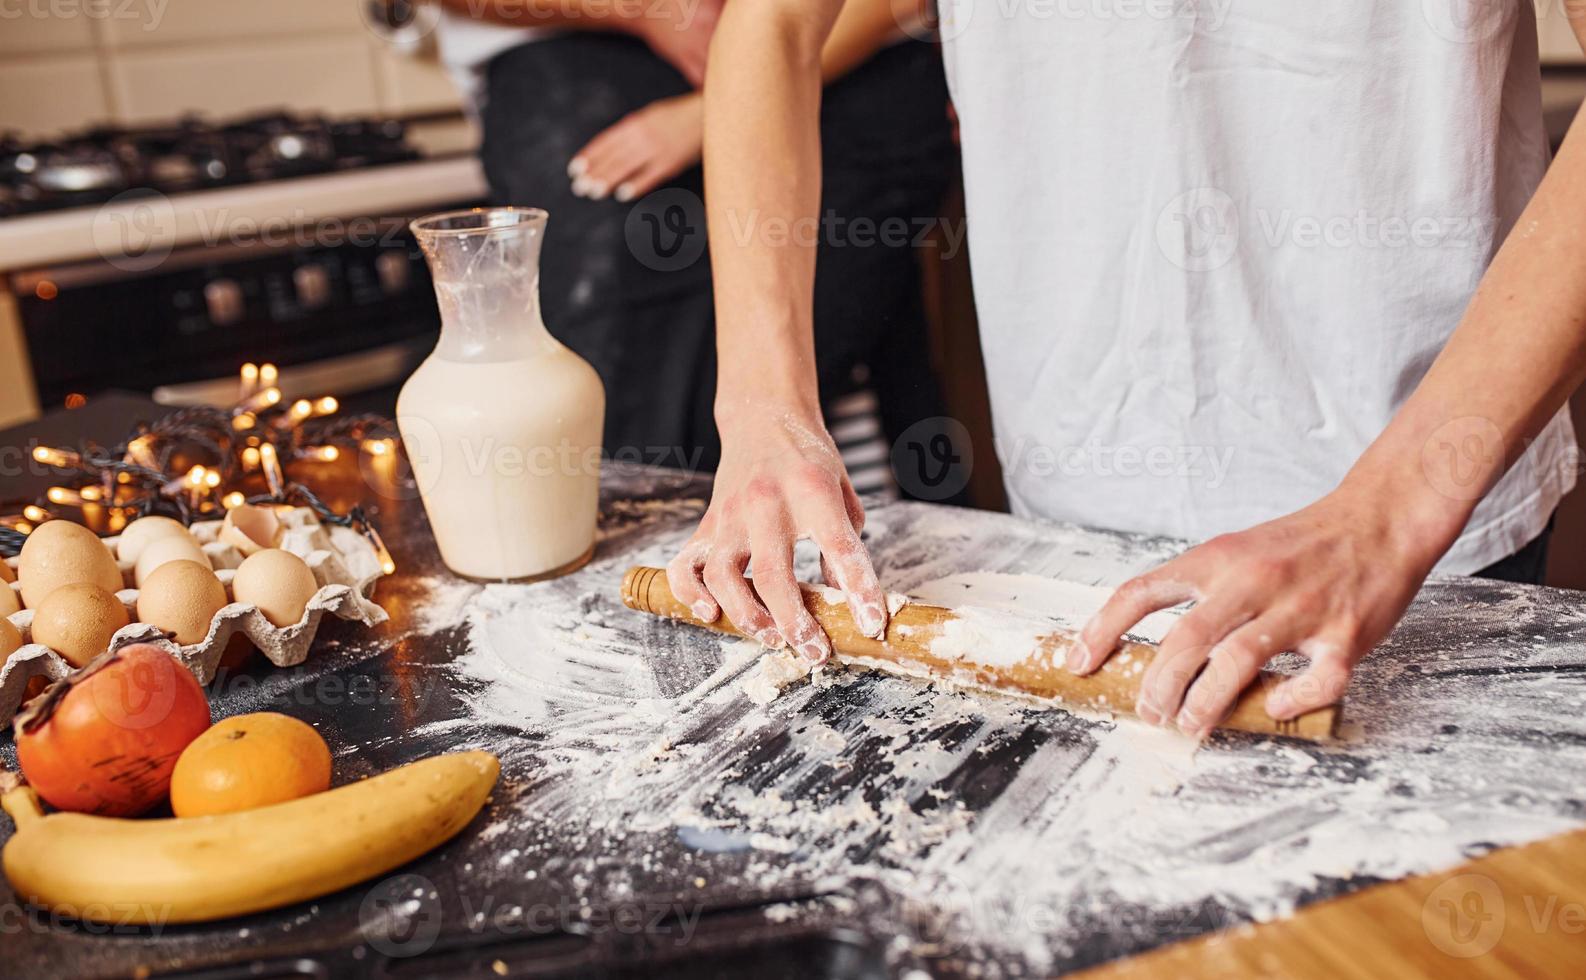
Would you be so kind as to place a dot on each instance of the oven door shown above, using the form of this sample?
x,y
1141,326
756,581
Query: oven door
x,y
344,316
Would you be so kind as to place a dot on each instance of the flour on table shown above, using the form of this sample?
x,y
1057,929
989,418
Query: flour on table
x,y
1019,840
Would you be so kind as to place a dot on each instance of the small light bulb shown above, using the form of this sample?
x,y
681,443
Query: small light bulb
x,y
56,457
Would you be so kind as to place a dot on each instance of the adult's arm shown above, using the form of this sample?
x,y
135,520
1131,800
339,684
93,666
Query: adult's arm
x,y
780,476
1332,580
679,32
654,143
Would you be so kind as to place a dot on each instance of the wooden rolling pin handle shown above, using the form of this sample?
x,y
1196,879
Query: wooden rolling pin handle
x,y
907,648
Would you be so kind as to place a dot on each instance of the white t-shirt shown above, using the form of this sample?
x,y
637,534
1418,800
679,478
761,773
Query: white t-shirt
x,y
1215,245
465,44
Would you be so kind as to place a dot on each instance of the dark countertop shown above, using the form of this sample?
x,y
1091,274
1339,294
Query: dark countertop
x,y
365,690
362,689
701,836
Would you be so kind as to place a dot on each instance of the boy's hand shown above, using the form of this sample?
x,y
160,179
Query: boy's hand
x,y
1329,581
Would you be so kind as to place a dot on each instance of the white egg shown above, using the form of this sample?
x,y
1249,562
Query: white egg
x,y
142,532
168,547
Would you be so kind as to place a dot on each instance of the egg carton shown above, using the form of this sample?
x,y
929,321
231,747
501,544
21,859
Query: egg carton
x,y
345,565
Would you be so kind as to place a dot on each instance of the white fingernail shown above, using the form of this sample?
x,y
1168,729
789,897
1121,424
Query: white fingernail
x,y
871,622
624,193
1078,656
597,190
814,651
770,639
580,187
1146,711
704,610
576,166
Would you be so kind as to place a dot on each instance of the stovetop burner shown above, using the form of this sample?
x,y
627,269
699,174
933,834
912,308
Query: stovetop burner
x,y
95,165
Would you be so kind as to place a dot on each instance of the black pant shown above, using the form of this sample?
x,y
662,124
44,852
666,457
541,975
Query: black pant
x,y
628,286
1527,566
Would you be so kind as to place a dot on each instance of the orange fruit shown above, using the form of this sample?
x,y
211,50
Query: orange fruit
x,y
249,761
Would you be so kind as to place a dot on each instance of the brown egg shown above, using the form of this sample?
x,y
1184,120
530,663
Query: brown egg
x,y
144,531
167,547
181,597
10,639
11,642
278,582
77,621
10,602
61,553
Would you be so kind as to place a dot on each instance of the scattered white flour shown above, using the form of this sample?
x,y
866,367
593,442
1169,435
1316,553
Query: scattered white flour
x,y
1011,840
1001,615
775,671
445,603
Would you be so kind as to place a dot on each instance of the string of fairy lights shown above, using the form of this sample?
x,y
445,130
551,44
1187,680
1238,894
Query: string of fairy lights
x,y
260,433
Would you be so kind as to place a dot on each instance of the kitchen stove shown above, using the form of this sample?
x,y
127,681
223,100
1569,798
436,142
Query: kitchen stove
x,y
94,166
159,259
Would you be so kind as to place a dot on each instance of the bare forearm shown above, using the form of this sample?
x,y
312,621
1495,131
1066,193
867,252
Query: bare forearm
x,y
863,28
762,188
594,15
1517,355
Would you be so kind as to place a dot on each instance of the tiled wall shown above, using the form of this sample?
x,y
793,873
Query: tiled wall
x,y
68,63
1559,45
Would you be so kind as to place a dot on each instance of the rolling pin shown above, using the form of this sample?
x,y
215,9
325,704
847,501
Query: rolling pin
x,y
907,649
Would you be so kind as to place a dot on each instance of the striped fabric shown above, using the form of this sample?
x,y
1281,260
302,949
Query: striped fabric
x,y
854,421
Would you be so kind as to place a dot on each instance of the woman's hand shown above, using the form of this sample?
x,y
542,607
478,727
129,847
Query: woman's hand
x,y
780,480
1329,581
642,150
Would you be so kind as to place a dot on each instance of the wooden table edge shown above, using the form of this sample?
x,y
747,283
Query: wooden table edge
x,y
1516,912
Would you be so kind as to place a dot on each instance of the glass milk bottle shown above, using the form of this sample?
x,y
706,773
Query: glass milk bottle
x,y
502,423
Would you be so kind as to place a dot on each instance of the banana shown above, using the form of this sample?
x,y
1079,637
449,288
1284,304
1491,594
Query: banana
x,y
195,869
